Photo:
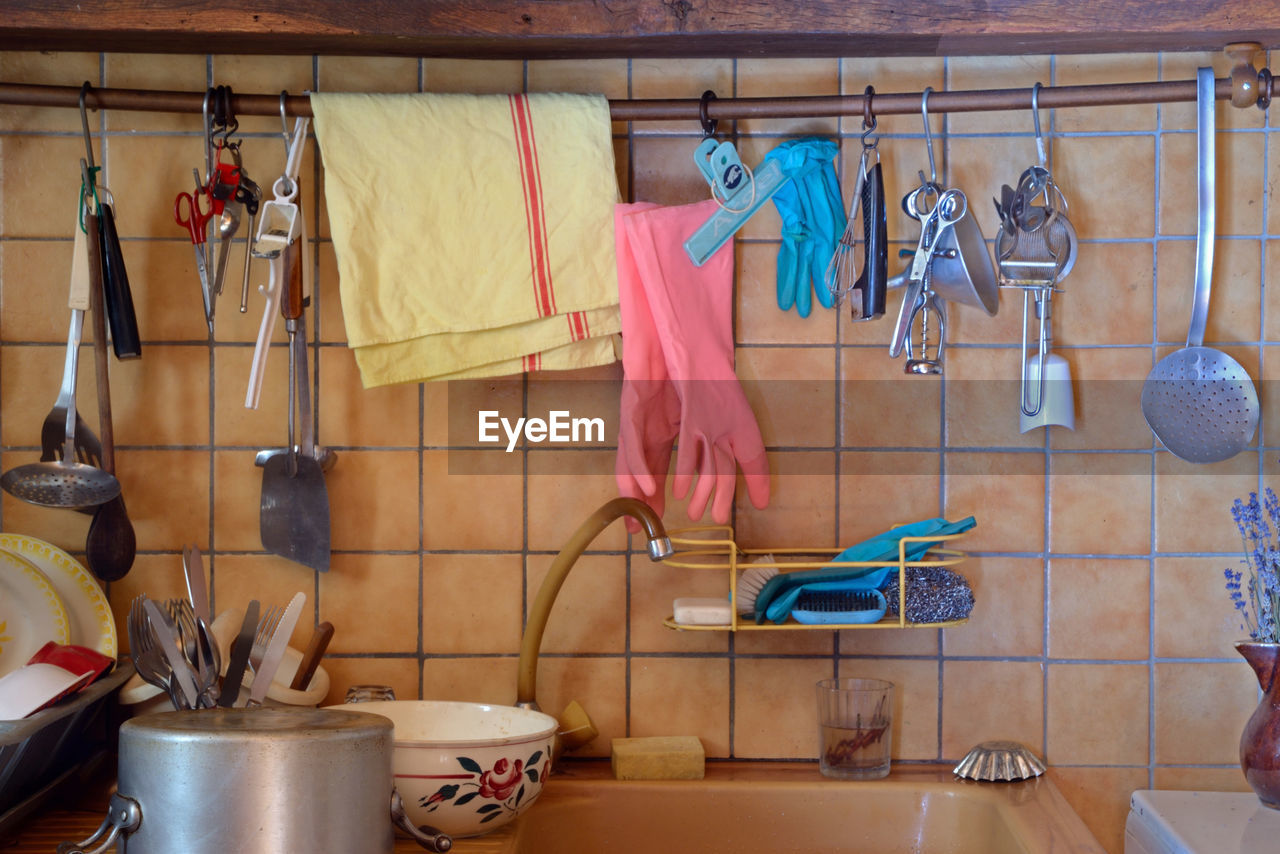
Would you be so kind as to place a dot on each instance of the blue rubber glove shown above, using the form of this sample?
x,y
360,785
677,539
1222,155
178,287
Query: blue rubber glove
x,y
813,220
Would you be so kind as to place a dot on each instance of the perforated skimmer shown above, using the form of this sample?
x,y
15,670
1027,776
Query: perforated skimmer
x,y
1200,402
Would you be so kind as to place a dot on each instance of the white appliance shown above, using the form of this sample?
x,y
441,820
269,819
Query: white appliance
x,y
1166,822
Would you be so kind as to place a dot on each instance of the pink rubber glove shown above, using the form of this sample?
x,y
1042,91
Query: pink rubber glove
x,y
692,309
649,412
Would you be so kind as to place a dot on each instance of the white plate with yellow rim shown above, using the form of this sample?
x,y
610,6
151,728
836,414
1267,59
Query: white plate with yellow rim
x,y
31,613
92,624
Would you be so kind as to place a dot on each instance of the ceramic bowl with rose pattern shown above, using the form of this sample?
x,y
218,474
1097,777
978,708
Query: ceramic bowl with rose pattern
x,y
465,768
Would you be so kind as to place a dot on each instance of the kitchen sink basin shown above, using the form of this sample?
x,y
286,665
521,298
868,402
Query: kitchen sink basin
x,y
790,807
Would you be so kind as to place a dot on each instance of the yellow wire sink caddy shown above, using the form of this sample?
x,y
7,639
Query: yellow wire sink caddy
x,y
714,548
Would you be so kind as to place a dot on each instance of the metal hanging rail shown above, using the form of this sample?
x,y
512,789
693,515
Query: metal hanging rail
x,y
727,109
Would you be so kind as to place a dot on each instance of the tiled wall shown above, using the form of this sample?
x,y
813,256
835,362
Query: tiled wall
x,y
1101,638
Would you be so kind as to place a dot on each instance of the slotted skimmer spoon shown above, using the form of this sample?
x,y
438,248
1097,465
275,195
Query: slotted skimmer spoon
x,y
66,482
1200,402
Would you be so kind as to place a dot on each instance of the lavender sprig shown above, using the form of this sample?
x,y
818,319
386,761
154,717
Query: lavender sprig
x,y
1257,596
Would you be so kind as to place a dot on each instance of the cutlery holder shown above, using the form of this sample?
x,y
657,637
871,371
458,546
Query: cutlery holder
x,y
254,781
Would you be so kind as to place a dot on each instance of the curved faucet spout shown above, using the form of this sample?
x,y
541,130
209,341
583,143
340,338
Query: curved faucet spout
x,y
659,549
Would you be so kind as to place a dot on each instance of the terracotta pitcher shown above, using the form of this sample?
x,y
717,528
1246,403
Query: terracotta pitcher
x,y
1260,741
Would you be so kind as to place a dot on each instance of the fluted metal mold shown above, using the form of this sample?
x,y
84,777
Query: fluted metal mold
x,y
999,761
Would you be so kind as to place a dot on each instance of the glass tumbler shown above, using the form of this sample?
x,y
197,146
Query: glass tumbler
x,y
367,693
855,718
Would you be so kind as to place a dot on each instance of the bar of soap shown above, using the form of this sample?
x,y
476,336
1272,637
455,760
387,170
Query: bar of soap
x,y
702,611
660,757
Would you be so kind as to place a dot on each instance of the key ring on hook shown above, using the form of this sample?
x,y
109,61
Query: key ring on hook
x,y
928,133
869,122
708,124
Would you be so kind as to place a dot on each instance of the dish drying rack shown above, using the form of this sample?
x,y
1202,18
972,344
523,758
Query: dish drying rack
x,y
714,548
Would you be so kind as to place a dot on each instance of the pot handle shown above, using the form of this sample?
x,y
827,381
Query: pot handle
x,y
123,816
426,836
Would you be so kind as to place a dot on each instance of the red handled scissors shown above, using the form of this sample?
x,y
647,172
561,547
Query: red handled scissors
x,y
188,213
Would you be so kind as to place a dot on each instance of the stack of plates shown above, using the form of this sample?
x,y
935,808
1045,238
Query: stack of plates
x,y
45,595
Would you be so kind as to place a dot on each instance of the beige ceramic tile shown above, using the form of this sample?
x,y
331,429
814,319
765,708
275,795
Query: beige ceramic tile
x,y
1233,302
1100,796
385,519
1239,192
1271,300
1100,504
608,77
883,407
890,74
368,596
1182,66
765,78
180,72
699,706
1106,297
588,393
774,707
1106,384
563,489
1269,403
1098,608
984,700
47,68
1096,69
41,185
1008,608
265,426
915,702
1005,492
401,674
982,399
995,72
780,643
652,591
598,684
35,274
273,581
682,78
472,500
237,497
584,617
801,511
162,398
478,76
879,490
470,679
249,73
31,377
1193,615
1115,181
454,418
1097,714
759,320
792,393
367,74
662,171
166,291
1201,779
352,415
145,175
1200,709
1189,497
471,603
168,495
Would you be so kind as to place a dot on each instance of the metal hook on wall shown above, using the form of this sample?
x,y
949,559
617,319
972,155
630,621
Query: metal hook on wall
x,y
84,124
869,122
708,124
1035,116
928,133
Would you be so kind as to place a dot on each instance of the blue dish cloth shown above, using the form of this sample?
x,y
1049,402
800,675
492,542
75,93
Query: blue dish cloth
x,y
776,599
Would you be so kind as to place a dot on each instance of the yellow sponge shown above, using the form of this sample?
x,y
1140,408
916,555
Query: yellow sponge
x,y
663,757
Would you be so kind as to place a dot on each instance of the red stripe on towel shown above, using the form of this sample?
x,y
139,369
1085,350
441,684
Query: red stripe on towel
x,y
578,325
535,215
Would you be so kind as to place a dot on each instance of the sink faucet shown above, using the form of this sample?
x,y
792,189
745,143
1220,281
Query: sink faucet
x,y
659,549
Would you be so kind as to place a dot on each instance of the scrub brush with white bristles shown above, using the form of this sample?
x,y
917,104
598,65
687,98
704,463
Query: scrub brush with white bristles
x,y
751,582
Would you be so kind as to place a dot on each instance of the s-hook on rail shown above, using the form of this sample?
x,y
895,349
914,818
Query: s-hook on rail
x,y
1245,87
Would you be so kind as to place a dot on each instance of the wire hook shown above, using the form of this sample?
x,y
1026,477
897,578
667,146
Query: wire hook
x,y
1035,116
928,133
708,124
868,118
84,123
209,94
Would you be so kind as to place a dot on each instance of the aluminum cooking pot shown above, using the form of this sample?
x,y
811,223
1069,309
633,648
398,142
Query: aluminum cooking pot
x,y
255,781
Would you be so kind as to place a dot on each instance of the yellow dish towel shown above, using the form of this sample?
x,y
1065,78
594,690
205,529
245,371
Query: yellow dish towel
x,y
470,230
